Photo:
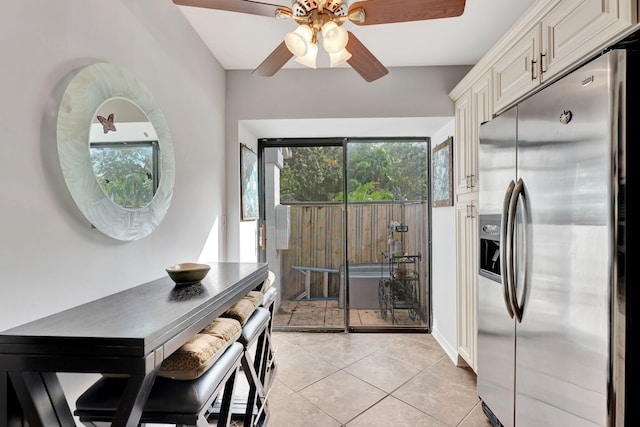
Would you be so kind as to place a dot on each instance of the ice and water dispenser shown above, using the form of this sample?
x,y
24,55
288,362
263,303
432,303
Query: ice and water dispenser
x,y
490,247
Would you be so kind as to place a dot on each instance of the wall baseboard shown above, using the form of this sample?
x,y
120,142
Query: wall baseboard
x,y
450,350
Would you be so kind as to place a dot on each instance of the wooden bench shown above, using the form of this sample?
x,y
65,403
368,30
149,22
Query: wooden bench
x,y
171,401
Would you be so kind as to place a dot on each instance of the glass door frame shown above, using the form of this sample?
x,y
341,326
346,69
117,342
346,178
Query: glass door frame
x,y
265,143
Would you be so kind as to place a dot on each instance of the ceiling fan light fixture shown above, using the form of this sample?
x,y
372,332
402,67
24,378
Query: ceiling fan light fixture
x,y
339,57
298,41
309,59
334,37
327,18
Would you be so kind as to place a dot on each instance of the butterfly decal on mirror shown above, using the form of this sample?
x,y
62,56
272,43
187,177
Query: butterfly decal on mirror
x,y
107,124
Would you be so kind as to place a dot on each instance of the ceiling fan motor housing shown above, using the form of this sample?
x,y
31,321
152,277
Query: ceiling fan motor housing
x,y
304,7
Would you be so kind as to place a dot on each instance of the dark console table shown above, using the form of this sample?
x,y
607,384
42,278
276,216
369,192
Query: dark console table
x,y
130,332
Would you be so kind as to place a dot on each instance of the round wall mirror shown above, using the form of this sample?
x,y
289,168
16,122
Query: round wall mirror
x,y
115,151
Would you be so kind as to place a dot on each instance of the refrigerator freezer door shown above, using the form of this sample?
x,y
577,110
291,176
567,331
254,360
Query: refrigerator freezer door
x,y
496,328
564,159
497,161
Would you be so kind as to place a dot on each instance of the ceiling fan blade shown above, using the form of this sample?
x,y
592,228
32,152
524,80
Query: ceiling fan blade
x,y
274,61
363,61
242,6
389,11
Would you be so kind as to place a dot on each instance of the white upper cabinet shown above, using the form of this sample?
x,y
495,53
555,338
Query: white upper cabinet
x,y
575,27
462,143
516,72
570,32
472,109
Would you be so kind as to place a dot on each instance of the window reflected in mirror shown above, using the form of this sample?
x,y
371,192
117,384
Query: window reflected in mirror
x,y
124,153
127,171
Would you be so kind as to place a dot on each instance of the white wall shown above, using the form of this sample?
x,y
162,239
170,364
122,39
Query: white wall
x,y
50,258
246,239
443,265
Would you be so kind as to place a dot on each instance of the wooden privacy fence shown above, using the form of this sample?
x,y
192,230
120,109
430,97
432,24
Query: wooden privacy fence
x,y
316,240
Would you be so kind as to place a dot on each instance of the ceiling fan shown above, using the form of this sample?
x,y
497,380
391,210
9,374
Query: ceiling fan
x,y
325,18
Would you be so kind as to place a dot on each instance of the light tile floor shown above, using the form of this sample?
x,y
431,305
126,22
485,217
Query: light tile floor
x,y
369,379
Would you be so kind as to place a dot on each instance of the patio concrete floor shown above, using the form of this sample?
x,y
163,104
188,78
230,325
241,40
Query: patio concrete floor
x,y
324,313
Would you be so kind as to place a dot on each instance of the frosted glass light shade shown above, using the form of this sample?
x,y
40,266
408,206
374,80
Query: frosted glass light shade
x,y
339,57
310,58
334,37
298,40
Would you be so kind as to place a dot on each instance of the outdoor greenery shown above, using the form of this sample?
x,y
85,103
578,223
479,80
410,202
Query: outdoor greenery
x,y
125,173
377,171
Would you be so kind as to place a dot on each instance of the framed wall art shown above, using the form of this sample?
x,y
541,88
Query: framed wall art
x,y
442,174
248,183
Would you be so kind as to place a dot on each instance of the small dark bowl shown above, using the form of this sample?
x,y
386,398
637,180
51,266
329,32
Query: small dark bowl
x,y
187,273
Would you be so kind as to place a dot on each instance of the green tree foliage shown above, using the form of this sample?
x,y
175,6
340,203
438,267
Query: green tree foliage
x,y
409,172
377,171
312,174
369,192
125,174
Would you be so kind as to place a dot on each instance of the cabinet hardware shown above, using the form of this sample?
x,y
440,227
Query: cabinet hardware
x,y
263,236
533,67
542,57
470,210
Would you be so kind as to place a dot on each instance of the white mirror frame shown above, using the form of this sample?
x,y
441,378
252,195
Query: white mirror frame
x,y
85,93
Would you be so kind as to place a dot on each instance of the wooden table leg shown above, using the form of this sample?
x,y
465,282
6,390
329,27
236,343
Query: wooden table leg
x,y
133,399
44,404
42,399
4,399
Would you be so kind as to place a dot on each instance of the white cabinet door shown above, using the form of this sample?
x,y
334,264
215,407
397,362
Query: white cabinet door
x,y
574,28
467,279
517,71
481,111
482,100
464,133
472,109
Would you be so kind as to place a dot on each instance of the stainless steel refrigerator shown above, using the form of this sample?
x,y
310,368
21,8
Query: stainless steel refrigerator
x,y
553,327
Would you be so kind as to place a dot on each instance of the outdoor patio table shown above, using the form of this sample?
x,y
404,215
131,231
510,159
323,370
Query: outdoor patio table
x,y
307,279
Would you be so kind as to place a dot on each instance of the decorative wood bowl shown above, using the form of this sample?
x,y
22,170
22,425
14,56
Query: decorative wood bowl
x,y
187,273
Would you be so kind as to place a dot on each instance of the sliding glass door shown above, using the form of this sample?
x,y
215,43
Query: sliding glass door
x,y
387,233
345,225
304,229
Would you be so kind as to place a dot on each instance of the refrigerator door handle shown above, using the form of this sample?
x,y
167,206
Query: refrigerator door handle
x,y
516,196
504,250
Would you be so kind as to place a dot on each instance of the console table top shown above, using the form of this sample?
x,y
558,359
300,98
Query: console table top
x,y
135,321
